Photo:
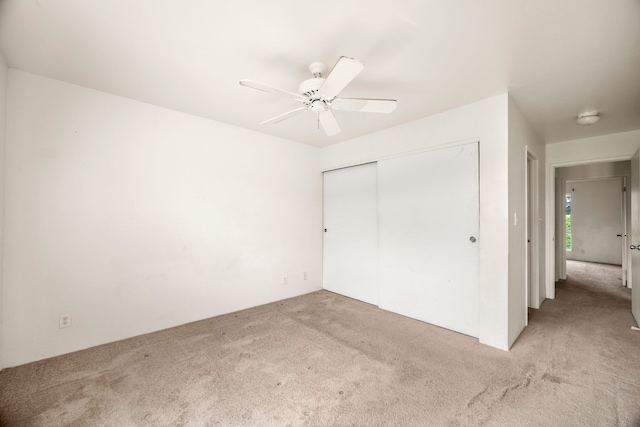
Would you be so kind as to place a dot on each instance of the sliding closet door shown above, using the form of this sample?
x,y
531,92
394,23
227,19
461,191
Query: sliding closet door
x,y
428,229
351,232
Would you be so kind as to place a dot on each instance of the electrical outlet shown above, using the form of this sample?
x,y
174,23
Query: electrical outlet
x,y
65,320
285,280
304,275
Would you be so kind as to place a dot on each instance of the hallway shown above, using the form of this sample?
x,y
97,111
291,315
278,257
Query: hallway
x,y
603,279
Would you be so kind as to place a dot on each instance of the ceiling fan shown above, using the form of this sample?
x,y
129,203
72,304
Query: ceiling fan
x,y
320,95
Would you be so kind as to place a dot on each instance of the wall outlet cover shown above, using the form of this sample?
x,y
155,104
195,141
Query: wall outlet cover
x,y
65,320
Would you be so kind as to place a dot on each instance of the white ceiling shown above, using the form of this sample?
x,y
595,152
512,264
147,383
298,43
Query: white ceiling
x,y
555,58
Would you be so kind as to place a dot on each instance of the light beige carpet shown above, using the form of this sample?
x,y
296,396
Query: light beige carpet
x,y
326,360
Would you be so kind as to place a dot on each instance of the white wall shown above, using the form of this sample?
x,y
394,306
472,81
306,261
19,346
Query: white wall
x,y
523,138
3,115
605,148
596,220
595,170
133,218
484,121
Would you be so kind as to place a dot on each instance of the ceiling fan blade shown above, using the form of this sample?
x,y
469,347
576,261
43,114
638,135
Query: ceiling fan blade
x,y
270,89
365,104
284,116
329,122
345,70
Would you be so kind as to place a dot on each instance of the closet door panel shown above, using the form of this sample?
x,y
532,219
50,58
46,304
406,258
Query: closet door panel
x,y
350,264
428,224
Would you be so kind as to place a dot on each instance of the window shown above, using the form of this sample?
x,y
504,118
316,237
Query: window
x,y
567,211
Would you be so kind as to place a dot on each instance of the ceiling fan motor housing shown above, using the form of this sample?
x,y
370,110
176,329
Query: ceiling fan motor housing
x,y
310,87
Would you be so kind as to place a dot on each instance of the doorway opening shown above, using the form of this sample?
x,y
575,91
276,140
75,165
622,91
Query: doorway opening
x,y
592,216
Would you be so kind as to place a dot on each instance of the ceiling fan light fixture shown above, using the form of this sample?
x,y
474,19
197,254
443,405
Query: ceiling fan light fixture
x,y
588,118
318,106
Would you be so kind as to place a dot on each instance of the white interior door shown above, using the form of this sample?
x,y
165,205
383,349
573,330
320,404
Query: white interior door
x,y
428,223
635,236
350,264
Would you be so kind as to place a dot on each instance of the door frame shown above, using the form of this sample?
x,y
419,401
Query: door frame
x,y
634,181
626,229
532,212
554,258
